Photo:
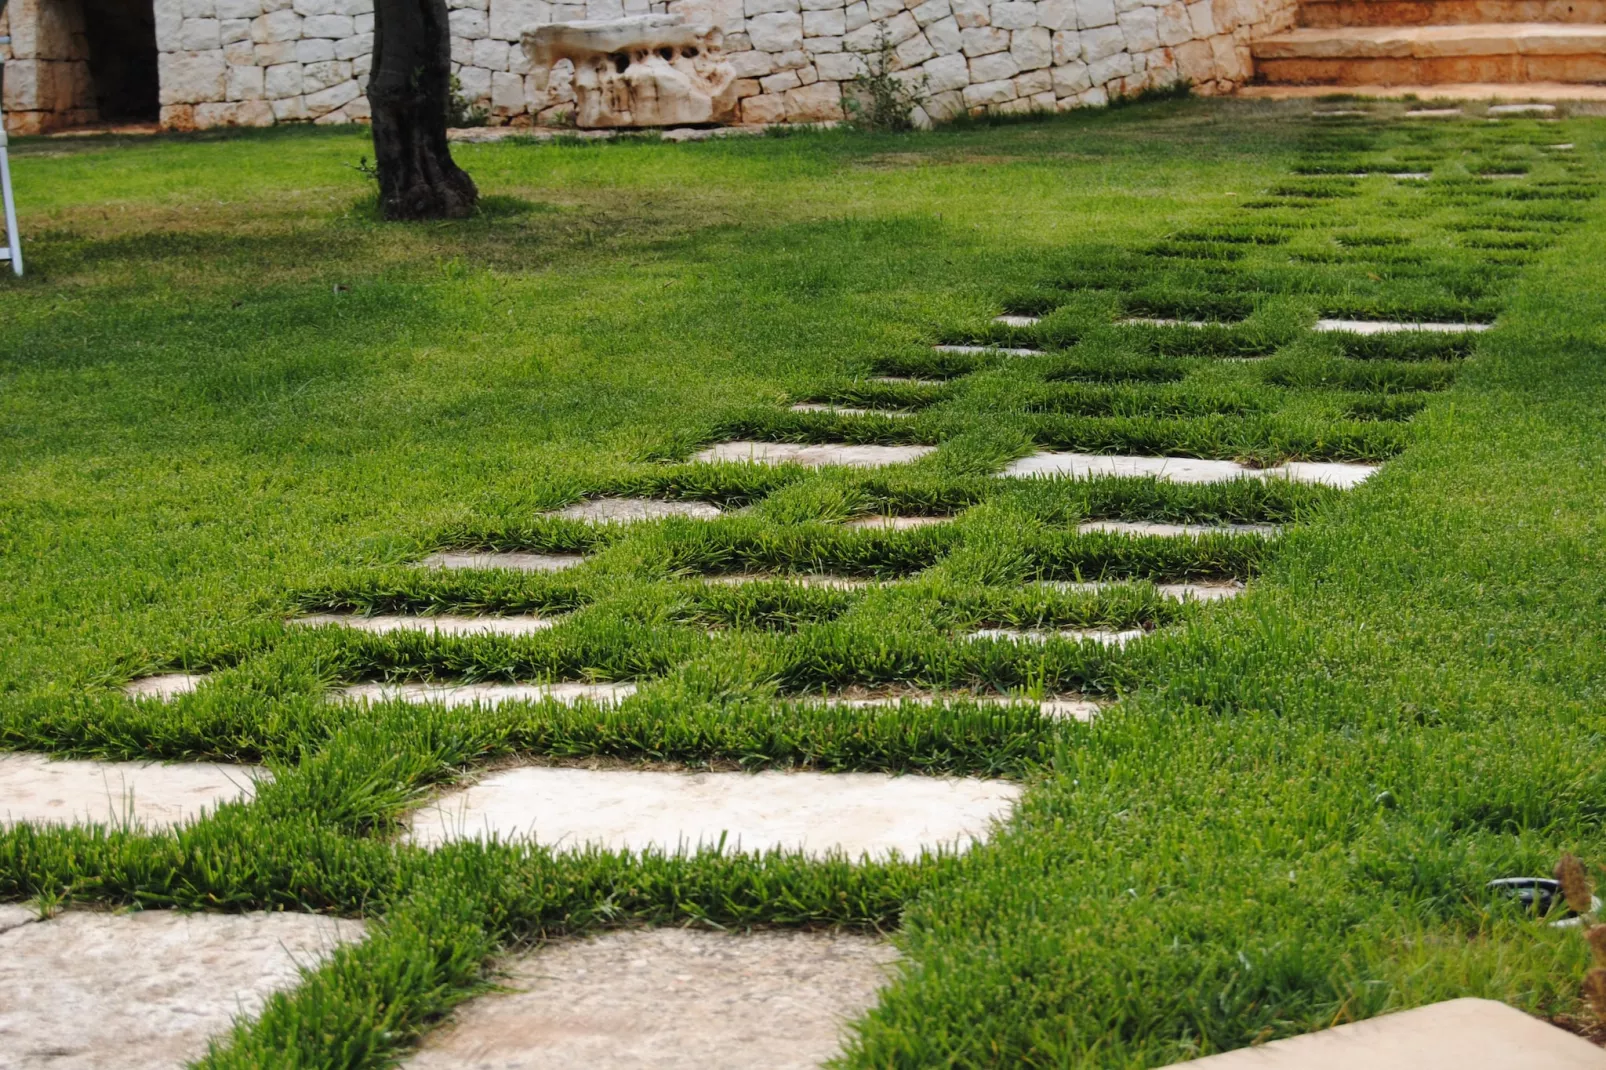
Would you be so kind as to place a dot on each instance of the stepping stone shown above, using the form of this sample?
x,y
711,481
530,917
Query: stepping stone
x,y
165,687
384,624
1505,174
1415,176
1160,321
455,695
630,510
13,915
1340,113
894,523
1077,709
1018,321
146,991
1521,109
838,410
1183,469
1434,113
1213,591
810,579
1389,327
1006,351
1458,1034
814,456
148,795
668,999
1193,531
906,380
513,562
1565,146
641,809
1102,636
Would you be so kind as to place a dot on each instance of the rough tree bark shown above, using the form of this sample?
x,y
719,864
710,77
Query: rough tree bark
x,y
408,91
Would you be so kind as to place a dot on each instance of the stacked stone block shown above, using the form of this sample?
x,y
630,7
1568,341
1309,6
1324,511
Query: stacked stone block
x,y
47,81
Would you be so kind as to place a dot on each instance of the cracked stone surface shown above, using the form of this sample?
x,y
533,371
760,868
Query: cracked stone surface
x,y
452,695
1434,113
36,790
164,687
444,624
1184,469
145,991
812,456
628,510
513,562
1102,636
1391,327
668,999
637,809
1192,531
15,914
1458,1034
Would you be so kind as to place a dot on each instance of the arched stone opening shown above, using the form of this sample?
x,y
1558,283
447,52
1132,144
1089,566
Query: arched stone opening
x,y
74,62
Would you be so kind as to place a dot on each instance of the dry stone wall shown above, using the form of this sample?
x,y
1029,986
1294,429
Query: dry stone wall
x,y
255,62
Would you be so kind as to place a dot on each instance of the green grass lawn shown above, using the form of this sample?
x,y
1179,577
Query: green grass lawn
x,y
228,394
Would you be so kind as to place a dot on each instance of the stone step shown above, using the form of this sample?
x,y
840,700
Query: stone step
x,y
167,686
643,809
631,510
1174,531
821,455
147,990
454,695
1183,469
1398,55
1331,13
442,624
513,561
671,999
148,795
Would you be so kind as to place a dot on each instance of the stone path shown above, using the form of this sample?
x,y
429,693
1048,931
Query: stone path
x,y
145,991
638,809
1185,469
1458,1034
147,795
668,999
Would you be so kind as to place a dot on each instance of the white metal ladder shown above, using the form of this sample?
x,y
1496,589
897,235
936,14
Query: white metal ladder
x,y
13,246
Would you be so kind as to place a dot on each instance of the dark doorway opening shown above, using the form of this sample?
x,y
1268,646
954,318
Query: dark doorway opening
x,y
122,59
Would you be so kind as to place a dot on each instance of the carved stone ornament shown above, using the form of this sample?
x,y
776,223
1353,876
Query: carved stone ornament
x,y
651,70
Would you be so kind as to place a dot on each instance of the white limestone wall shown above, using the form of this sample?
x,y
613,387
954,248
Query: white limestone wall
x,y
256,62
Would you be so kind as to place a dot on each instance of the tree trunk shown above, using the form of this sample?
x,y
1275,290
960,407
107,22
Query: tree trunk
x,y
408,92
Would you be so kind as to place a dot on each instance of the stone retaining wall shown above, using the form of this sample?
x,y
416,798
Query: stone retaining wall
x,y
257,62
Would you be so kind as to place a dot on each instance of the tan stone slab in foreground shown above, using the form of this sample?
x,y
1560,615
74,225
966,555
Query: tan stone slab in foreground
x,y
146,991
1184,469
668,999
1459,1034
37,791
812,456
638,809
442,624
513,562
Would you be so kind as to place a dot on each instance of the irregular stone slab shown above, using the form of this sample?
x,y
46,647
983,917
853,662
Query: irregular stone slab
x,y
15,914
668,999
147,795
1344,113
1505,174
1521,109
1078,709
1389,327
1161,321
1434,113
1006,351
1213,591
384,624
629,510
1018,321
1192,531
1565,146
146,991
165,687
454,695
513,562
1458,1034
840,410
894,523
639,809
809,579
1065,709
1102,636
1183,469
812,456
909,381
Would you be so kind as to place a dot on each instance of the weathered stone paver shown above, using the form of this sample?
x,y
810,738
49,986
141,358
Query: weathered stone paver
x,y
1102,636
1018,321
848,410
894,523
638,809
1074,708
36,790
1162,321
15,914
1434,113
1204,591
1007,351
1184,469
511,561
1521,109
1165,530
629,510
806,579
444,624
668,999
1458,1034
812,456
166,686
452,695
1392,327
145,991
